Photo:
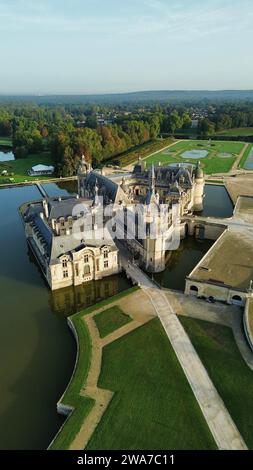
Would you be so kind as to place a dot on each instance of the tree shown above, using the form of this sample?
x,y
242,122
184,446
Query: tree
x,y
154,126
186,121
206,127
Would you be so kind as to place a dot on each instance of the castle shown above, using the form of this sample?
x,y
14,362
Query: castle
x,y
142,204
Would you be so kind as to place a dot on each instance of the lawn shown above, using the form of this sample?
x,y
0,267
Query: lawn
x,y
20,166
6,141
110,320
231,376
238,131
212,163
153,406
72,398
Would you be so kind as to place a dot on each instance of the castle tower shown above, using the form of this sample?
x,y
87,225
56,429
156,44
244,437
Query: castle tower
x,y
151,194
83,170
198,189
153,244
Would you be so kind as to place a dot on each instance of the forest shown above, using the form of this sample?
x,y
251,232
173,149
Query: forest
x,y
102,132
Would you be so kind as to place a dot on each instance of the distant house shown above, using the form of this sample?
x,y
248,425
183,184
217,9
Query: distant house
x,y
40,170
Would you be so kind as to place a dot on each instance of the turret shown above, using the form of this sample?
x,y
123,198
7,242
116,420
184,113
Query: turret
x,y
45,207
96,201
140,166
198,188
83,170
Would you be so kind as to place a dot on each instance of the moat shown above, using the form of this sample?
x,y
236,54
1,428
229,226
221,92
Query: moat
x,y
37,348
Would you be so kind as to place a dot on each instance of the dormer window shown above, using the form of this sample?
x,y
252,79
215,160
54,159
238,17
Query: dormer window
x,y
64,263
86,258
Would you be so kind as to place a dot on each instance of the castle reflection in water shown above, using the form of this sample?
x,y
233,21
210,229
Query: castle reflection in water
x,y
72,299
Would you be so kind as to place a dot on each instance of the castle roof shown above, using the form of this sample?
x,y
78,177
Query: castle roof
x,y
108,188
66,207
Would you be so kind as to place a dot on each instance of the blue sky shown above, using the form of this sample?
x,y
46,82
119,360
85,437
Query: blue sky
x,y
97,46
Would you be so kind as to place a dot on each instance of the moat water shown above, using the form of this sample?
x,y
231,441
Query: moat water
x,y
37,349
181,262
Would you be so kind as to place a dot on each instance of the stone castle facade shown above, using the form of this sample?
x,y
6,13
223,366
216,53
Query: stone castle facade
x,y
56,228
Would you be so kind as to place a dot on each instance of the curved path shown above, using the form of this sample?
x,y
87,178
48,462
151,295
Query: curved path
x,y
220,423
102,397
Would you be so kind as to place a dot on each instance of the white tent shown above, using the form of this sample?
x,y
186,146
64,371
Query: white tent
x,y
40,168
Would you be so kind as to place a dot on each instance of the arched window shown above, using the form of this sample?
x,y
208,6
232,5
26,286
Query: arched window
x,y
237,300
194,289
86,269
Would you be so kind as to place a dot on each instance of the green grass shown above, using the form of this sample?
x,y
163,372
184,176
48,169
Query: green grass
x,y
213,163
110,320
245,156
142,150
6,141
237,131
20,166
71,397
231,376
153,406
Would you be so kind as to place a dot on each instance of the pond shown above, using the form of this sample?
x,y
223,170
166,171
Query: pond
x,y
37,349
225,155
6,155
195,154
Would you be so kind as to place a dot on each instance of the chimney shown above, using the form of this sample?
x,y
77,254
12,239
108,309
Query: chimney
x,y
45,207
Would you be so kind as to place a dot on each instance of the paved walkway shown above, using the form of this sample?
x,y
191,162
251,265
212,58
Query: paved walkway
x,y
227,315
221,425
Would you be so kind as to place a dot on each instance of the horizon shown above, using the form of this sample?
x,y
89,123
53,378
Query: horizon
x,y
201,90
86,48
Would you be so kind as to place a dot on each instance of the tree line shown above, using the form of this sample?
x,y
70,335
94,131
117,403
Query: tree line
x,y
34,129
103,132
